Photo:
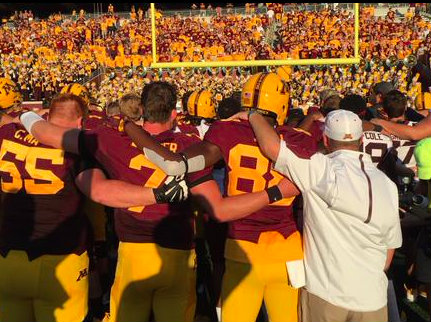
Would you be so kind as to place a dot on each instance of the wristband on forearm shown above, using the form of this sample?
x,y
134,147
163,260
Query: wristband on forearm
x,y
28,119
274,194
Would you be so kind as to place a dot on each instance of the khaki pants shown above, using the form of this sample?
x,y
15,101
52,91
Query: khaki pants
x,y
315,309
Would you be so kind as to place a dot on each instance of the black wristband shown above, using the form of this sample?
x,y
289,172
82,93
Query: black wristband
x,y
274,194
186,161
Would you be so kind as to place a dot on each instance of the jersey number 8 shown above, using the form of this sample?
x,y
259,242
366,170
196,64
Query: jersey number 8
x,y
256,175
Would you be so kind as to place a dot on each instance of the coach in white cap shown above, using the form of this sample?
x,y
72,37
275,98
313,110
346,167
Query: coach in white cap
x,y
351,223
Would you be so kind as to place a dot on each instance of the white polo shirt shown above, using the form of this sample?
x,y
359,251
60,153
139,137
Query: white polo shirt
x,y
350,220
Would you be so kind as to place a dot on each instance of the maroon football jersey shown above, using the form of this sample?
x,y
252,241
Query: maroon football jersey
x,y
316,130
41,206
169,225
94,120
247,170
185,126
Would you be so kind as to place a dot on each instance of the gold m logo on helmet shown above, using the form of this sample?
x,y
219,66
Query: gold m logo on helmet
x,y
266,92
82,274
8,88
9,94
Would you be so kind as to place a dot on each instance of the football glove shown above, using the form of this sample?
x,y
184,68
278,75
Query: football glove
x,y
173,190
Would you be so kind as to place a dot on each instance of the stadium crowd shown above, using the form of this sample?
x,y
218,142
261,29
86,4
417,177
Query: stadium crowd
x,y
235,195
44,55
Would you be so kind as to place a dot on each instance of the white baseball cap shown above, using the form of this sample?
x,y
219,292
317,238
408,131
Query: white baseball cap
x,y
342,125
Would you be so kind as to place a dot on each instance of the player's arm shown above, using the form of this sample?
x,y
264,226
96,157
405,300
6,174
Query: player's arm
x,y
50,134
267,139
195,158
292,161
308,121
236,207
5,119
424,113
143,140
420,131
119,194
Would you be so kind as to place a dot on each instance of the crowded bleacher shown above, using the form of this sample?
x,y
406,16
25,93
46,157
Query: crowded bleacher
x,y
47,54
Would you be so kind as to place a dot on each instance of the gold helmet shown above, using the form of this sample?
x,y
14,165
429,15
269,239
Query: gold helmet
x,y
9,94
285,72
201,104
267,93
78,90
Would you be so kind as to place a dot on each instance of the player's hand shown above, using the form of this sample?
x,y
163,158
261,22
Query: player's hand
x,y
173,190
288,189
239,116
380,126
115,122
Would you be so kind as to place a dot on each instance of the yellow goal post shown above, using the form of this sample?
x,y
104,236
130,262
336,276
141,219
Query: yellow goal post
x,y
284,62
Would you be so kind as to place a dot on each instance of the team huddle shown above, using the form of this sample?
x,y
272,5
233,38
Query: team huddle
x,y
212,194
157,168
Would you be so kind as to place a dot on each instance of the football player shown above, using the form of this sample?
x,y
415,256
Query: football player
x,y
376,144
95,116
96,212
201,112
155,270
420,131
44,232
260,245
